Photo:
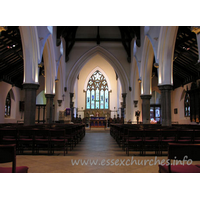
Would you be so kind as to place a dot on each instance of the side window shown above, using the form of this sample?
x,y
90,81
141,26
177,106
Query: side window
x,y
8,105
187,105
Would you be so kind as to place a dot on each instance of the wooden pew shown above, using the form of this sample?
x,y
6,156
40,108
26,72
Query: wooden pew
x,y
181,152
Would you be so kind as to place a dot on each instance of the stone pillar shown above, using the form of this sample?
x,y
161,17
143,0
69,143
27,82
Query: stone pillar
x,y
123,105
30,103
72,105
146,108
49,108
165,104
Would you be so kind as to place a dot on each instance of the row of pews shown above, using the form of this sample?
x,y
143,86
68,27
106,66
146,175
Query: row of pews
x,y
42,138
152,137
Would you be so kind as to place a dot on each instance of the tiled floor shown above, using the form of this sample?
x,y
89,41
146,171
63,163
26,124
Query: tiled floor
x,y
101,153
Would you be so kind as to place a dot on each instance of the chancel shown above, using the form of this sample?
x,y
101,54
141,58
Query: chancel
x,y
99,91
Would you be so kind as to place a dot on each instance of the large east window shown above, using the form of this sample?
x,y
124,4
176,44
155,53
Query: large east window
x,y
97,95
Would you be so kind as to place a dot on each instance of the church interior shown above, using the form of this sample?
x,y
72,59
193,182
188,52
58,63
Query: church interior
x,y
122,97
83,78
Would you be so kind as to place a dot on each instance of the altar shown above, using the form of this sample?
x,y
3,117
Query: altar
x,y
97,122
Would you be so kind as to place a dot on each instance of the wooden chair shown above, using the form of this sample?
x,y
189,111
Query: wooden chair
x,y
180,152
26,140
151,141
167,136
8,136
134,141
8,154
185,136
42,140
58,140
196,138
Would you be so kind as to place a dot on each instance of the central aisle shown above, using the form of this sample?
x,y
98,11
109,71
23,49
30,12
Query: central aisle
x,y
97,152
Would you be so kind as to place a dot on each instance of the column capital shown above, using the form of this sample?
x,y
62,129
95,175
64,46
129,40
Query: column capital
x,y
124,94
49,95
145,96
165,87
195,29
30,86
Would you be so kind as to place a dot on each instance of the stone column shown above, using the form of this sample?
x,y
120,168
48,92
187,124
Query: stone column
x,y
49,108
30,103
165,104
146,108
72,105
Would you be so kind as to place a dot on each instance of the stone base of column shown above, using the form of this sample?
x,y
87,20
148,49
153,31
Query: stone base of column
x,y
49,107
145,108
30,103
165,104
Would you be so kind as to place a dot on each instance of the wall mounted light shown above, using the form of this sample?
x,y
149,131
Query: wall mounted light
x,y
139,80
59,102
156,65
56,80
41,65
135,103
65,89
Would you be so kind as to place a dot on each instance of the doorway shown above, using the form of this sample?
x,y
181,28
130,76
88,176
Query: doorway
x,y
155,113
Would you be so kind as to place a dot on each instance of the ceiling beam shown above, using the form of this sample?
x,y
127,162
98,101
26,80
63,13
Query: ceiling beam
x,y
100,39
125,44
188,70
11,67
70,44
98,36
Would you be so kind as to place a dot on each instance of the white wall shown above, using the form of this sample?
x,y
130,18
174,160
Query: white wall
x,y
178,103
97,61
15,114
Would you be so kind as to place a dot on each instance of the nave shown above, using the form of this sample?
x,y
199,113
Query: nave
x,y
101,153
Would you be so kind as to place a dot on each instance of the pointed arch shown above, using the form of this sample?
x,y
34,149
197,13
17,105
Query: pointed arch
x,y
107,56
50,66
165,52
92,72
31,53
60,77
146,67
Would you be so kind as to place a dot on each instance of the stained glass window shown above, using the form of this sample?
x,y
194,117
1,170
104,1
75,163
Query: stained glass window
x,y
187,105
8,105
88,99
97,92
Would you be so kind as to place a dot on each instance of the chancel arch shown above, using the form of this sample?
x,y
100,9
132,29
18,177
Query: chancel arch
x,y
97,50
